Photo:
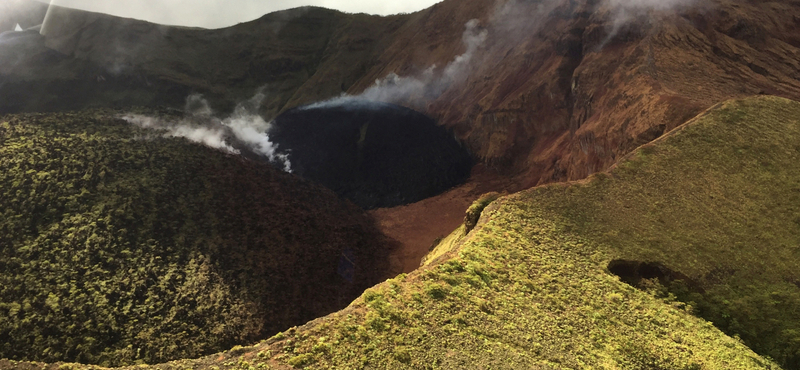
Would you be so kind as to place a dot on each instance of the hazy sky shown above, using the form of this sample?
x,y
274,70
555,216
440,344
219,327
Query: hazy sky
x,y
223,13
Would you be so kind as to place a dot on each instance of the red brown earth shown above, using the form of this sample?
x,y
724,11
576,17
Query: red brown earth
x,y
546,103
417,226
553,107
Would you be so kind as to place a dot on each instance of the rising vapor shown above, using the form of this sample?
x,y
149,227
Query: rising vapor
x,y
627,11
243,129
415,90
650,4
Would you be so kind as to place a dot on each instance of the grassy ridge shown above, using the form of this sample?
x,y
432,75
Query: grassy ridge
x,y
718,201
118,246
518,294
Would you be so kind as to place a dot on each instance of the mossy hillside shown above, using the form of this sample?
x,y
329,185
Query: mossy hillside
x,y
718,201
474,211
119,246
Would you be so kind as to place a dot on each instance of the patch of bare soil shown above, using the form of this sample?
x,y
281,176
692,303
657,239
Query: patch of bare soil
x,y
418,226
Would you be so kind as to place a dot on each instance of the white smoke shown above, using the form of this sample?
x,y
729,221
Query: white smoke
x,y
509,19
624,12
515,19
650,4
199,125
427,86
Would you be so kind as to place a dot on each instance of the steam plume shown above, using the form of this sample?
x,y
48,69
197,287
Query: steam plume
x,y
243,129
650,4
221,13
626,11
430,84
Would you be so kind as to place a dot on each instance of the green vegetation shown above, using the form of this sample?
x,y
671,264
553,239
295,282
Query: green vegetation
x,y
474,210
718,201
519,294
528,287
119,246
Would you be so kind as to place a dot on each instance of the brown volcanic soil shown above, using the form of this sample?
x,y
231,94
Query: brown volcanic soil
x,y
551,96
417,226
550,106
542,100
547,103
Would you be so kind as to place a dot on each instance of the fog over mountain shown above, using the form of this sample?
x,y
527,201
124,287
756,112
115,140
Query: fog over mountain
x,y
218,13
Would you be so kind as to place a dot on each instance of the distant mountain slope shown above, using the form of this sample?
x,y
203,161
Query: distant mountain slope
x,y
119,246
561,95
558,89
96,60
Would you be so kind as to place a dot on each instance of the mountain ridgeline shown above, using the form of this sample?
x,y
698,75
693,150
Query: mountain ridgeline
x,y
707,216
551,94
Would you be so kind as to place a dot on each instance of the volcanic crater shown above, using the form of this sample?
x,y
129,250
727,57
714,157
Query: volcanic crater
x,y
375,154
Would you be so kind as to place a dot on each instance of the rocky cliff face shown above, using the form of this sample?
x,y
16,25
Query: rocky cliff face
x,y
542,90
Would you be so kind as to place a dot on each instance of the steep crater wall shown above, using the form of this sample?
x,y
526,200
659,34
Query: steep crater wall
x,y
375,154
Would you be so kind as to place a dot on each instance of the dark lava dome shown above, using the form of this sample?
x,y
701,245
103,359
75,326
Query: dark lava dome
x,y
375,154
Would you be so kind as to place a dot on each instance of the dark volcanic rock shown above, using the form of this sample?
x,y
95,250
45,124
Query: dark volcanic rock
x,y
375,154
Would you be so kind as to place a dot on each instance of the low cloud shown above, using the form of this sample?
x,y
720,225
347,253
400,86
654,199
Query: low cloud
x,y
513,18
650,4
242,130
224,13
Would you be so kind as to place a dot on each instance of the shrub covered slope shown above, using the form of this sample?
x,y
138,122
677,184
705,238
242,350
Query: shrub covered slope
x,y
119,246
